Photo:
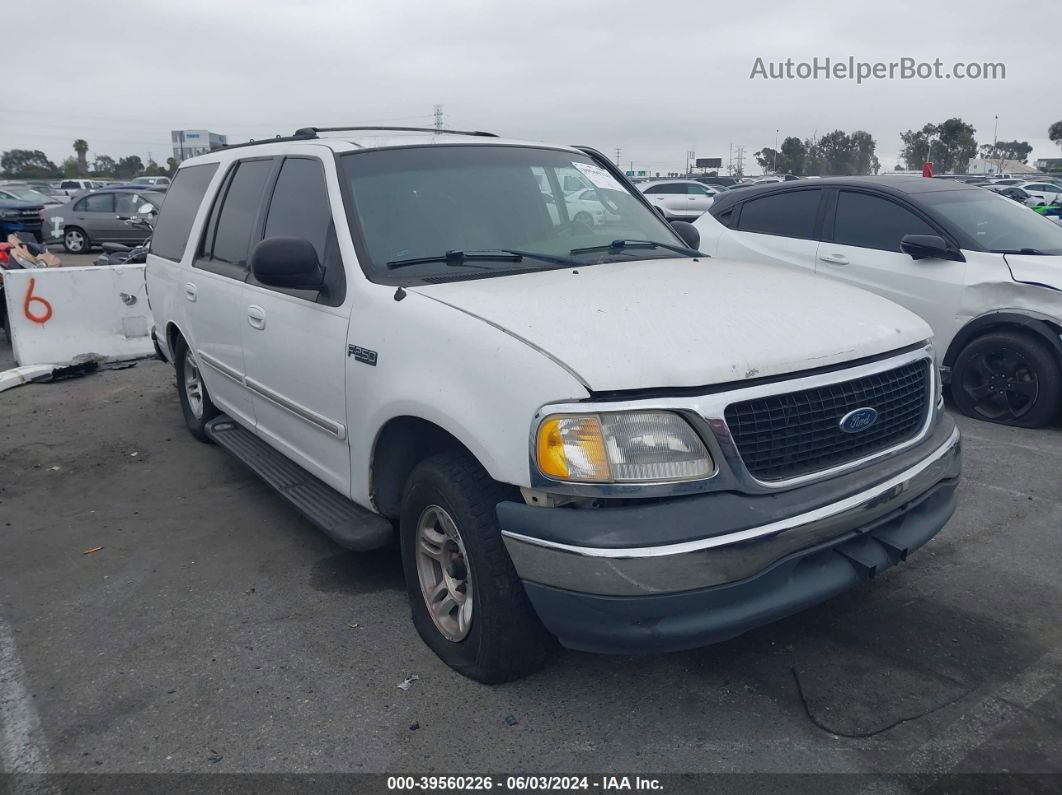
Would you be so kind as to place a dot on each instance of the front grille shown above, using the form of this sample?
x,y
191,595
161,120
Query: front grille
x,y
796,433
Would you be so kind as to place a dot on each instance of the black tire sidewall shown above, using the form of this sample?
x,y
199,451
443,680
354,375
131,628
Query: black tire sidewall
x,y
196,425
506,640
1037,354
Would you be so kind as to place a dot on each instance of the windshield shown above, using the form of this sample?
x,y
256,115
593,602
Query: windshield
x,y
422,202
995,223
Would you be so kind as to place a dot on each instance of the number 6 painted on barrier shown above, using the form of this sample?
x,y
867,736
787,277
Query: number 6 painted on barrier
x,y
30,298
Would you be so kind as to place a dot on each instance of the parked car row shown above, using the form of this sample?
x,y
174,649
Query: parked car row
x,y
579,431
98,217
985,274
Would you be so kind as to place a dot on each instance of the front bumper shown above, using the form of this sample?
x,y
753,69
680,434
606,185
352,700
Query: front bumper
x,y
737,574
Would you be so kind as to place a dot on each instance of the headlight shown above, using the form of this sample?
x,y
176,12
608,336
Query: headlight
x,y
649,446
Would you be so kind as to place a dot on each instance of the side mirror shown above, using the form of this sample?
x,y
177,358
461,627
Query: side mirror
x,y
289,262
929,247
688,232
146,209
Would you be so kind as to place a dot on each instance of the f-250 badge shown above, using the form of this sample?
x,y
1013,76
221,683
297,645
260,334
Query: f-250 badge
x,y
363,355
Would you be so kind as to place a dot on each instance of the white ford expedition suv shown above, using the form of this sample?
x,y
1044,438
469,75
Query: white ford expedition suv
x,y
584,433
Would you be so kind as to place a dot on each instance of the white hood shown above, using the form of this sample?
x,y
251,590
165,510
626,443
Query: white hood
x,y
678,323
1034,269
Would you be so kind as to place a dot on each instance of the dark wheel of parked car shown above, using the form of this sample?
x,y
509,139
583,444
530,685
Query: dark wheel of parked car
x,y
583,217
468,603
75,241
1008,377
196,404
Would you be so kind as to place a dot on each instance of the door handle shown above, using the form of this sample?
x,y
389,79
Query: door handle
x,y
834,259
190,291
256,317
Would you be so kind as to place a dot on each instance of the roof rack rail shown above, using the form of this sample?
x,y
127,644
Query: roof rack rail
x,y
309,133
279,139
312,131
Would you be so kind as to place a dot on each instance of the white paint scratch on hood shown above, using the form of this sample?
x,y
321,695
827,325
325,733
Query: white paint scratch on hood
x,y
676,322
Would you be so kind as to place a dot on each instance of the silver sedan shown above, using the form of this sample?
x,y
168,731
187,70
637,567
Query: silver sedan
x,y
99,217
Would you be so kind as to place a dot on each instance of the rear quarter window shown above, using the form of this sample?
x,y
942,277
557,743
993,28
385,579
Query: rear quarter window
x,y
788,214
178,211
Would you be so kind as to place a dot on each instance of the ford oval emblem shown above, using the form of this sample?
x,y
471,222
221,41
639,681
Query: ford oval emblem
x,y
858,420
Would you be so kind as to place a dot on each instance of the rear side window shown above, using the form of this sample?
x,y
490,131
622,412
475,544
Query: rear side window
x,y
873,222
97,203
178,210
232,237
789,214
666,189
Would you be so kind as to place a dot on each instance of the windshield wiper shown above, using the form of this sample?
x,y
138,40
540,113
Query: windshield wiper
x,y
620,245
464,257
1031,251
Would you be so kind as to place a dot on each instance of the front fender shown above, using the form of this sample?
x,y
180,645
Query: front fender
x,y
445,366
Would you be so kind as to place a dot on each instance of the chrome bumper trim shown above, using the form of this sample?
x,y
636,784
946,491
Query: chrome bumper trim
x,y
727,557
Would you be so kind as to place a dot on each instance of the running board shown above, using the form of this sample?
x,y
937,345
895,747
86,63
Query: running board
x,y
347,524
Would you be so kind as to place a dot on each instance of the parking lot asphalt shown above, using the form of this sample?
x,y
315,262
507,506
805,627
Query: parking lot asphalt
x,y
212,630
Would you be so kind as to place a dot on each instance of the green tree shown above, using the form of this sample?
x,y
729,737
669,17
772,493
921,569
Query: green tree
x,y
129,167
794,154
28,164
766,158
1007,150
81,148
1054,132
153,169
915,150
71,168
171,166
865,161
104,166
953,146
836,153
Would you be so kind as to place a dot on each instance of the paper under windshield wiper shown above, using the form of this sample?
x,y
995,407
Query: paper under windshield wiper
x,y
458,257
620,245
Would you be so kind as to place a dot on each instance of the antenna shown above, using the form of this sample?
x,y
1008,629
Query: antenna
x,y
438,117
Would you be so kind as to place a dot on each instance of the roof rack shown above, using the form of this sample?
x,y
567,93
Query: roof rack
x,y
312,131
309,133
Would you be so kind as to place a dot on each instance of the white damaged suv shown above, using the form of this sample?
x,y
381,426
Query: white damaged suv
x,y
584,433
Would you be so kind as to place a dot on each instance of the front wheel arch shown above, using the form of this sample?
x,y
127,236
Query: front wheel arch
x,y
1045,328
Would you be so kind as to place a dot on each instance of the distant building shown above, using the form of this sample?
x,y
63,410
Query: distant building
x,y
189,143
995,167
1049,164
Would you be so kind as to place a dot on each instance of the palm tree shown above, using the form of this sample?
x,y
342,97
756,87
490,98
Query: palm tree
x,y
81,147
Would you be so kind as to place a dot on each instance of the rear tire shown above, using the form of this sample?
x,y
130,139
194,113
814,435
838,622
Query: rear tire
x,y
75,241
1008,378
196,405
450,538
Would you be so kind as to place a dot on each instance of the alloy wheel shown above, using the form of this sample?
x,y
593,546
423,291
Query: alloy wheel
x,y
443,572
1001,384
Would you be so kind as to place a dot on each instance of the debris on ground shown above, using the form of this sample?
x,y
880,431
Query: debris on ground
x,y
90,550
414,726
355,626
407,683
511,719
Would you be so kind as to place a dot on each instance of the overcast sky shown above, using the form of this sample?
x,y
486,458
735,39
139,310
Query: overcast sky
x,y
653,79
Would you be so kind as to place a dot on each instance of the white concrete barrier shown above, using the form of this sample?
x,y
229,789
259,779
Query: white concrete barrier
x,y
59,315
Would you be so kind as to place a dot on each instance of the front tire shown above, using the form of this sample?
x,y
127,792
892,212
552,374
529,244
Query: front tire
x,y
196,405
468,603
75,241
1009,378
